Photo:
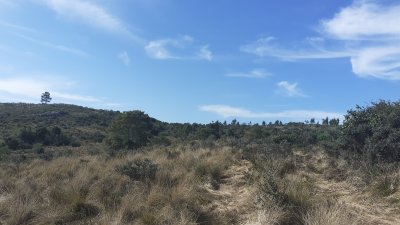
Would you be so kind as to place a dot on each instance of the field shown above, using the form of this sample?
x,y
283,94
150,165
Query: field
x,y
218,173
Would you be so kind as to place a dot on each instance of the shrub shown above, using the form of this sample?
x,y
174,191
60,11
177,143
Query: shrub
x,y
130,130
3,150
374,131
139,170
83,210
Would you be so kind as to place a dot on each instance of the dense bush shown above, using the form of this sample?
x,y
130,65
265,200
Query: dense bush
x,y
130,130
374,131
27,137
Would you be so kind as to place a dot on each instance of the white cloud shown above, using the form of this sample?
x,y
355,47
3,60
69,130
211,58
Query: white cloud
x,y
205,53
299,115
179,48
290,90
376,28
379,62
255,73
124,57
29,89
91,14
157,50
366,32
364,20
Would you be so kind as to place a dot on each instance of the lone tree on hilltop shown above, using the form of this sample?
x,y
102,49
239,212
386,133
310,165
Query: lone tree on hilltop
x,y
45,98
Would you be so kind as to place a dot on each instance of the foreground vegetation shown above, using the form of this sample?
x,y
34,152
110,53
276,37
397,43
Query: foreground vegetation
x,y
63,164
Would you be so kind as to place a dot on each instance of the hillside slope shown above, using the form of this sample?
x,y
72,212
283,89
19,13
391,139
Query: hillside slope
x,y
82,123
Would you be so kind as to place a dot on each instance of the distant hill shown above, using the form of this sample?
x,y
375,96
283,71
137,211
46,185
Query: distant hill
x,y
82,123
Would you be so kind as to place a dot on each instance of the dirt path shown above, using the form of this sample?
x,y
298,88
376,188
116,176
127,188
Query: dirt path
x,y
370,210
233,201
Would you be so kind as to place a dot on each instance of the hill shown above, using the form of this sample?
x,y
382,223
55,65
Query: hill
x,y
81,123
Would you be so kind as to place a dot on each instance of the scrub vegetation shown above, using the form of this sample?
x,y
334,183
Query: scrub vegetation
x,y
66,164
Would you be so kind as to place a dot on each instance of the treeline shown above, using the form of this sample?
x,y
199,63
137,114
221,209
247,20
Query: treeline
x,y
135,129
371,132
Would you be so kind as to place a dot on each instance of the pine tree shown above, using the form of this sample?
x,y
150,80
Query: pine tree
x,y
45,98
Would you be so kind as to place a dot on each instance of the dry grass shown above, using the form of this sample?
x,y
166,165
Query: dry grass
x,y
329,213
202,186
91,190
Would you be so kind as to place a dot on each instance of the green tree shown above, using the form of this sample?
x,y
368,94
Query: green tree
x,y
45,98
130,130
325,121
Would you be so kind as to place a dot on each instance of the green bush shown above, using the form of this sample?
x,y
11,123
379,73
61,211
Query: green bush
x,y
130,130
374,131
139,170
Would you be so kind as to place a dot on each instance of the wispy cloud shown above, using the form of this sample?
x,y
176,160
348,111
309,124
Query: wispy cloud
x,y
205,53
267,46
74,97
157,50
290,89
54,46
91,14
18,27
227,111
366,32
30,89
28,33
255,73
179,48
124,57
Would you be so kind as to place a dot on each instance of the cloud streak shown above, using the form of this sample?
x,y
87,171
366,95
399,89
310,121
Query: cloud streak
x,y
366,32
54,46
227,111
92,15
30,88
290,89
18,27
255,73
267,47
182,48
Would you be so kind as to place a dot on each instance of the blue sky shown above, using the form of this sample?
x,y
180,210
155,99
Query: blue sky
x,y
201,61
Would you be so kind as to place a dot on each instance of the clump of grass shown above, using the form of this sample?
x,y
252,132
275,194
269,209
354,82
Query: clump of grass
x,y
387,185
292,195
329,213
288,167
210,171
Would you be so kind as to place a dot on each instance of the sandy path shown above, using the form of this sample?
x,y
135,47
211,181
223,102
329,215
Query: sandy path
x,y
233,201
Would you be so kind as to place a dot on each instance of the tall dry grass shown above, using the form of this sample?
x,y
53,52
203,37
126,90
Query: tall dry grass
x,y
91,190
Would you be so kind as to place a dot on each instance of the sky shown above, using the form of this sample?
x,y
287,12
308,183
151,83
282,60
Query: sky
x,y
202,61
